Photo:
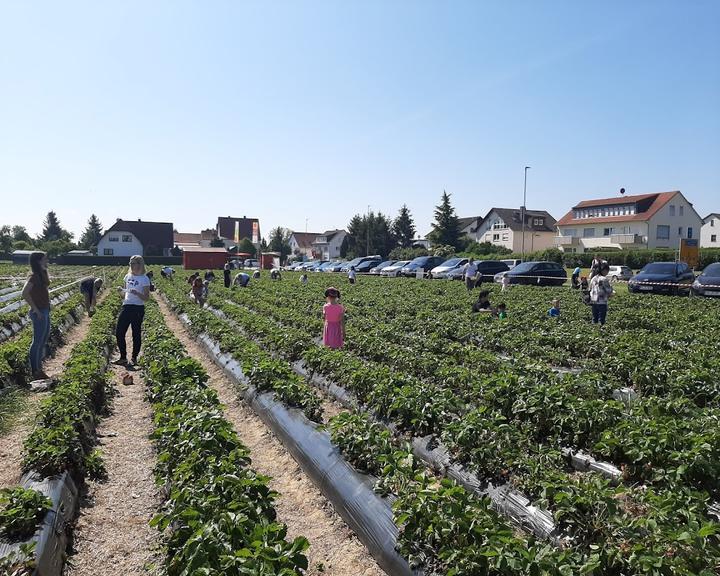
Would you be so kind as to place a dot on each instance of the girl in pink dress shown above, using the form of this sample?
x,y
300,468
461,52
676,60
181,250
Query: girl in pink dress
x,y
334,315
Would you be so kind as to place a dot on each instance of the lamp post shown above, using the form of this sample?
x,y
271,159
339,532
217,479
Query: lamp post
x,y
522,211
367,230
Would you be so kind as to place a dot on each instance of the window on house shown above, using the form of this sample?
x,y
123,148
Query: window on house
x,y
114,239
569,232
608,231
108,252
672,210
538,222
496,237
663,232
127,238
680,231
588,232
713,237
690,232
505,237
682,210
712,222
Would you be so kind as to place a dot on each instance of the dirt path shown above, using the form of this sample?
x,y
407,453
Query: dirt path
x,y
112,535
334,549
12,442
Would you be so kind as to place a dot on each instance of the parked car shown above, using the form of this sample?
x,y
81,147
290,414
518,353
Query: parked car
x,y
538,274
620,273
380,267
314,267
442,270
324,267
427,263
663,278
335,266
367,265
357,261
708,283
293,265
486,268
249,263
511,263
305,266
392,270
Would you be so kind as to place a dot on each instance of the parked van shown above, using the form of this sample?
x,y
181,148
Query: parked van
x,y
511,263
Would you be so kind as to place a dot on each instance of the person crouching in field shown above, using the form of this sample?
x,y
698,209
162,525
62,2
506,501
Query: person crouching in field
x,y
198,290
334,316
241,279
89,287
483,302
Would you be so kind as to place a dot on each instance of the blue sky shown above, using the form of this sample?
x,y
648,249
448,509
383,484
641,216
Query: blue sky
x,y
185,111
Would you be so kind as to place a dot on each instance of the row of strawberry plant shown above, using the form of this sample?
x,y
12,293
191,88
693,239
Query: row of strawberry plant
x,y
662,441
265,373
448,531
63,438
219,516
479,436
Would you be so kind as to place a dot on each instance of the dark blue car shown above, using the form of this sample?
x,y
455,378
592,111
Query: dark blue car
x,y
663,278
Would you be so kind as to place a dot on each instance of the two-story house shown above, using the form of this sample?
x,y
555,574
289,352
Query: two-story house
x,y
130,237
301,244
503,227
709,232
658,220
326,246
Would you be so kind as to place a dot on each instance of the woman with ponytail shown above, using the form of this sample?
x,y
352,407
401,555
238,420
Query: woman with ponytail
x,y
36,293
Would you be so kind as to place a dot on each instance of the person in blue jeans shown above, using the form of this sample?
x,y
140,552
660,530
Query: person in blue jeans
x,y
600,293
37,294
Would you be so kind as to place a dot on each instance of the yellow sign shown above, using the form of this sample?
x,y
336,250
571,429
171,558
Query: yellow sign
x,y
690,252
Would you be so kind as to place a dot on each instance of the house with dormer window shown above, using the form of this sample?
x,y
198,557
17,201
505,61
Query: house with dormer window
x,y
710,231
503,227
657,220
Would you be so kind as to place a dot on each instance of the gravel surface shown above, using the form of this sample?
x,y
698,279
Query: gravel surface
x,y
11,443
112,536
334,548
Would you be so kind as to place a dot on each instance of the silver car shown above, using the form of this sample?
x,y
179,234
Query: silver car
x,y
392,271
448,266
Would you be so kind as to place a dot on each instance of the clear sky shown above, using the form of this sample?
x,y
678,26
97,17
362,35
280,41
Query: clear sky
x,y
185,111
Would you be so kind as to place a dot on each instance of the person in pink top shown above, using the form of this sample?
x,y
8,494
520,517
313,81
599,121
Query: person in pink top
x,y
334,316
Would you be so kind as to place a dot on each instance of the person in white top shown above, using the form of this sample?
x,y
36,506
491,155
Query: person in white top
x,y
471,271
351,275
505,282
137,292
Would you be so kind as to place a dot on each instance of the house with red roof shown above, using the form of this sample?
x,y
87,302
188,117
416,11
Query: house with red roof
x,y
657,220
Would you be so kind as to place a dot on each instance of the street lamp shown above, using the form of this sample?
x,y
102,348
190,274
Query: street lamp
x,y
522,211
367,230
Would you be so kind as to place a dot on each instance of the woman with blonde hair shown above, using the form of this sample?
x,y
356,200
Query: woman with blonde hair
x,y
37,295
137,292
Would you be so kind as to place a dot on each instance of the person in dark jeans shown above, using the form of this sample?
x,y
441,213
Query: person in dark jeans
x,y
226,275
600,292
37,295
137,292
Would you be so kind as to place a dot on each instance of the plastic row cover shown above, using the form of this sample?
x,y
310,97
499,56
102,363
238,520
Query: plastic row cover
x,y
351,493
10,331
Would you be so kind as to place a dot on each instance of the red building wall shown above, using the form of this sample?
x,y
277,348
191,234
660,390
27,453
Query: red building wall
x,y
204,260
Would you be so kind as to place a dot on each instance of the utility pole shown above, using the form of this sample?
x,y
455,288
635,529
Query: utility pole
x,y
522,211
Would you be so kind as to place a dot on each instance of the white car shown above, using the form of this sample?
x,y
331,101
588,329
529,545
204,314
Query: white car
x,y
620,273
447,266
392,271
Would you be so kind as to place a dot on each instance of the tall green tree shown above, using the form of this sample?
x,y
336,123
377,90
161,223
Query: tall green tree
x,y
92,233
370,234
217,243
404,227
280,242
20,234
52,230
247,246
446,228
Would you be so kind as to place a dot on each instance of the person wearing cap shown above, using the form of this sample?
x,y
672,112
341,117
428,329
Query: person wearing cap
x,y
89,287
334,316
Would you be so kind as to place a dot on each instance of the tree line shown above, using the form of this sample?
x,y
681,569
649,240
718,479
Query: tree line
x,y
54,239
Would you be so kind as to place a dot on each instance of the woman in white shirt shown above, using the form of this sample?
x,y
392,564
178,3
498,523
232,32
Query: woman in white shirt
x,y
137,292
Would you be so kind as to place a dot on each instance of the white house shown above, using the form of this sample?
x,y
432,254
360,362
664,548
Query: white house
x,y
130,237
326,246
301,243
503,227
658,220
709,231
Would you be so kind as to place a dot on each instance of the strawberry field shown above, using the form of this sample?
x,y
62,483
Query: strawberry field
x,y
518,446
